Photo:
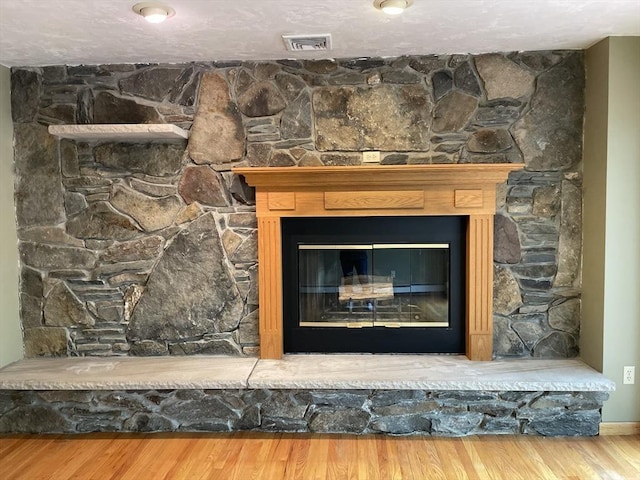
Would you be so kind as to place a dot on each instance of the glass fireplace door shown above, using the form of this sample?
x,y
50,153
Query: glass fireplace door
x,y
392,285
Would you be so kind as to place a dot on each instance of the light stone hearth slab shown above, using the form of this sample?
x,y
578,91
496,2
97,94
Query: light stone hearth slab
x,y
396,372
426,372
127,373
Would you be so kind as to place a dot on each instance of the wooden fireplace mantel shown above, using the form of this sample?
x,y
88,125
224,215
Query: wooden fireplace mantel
x,y
397,190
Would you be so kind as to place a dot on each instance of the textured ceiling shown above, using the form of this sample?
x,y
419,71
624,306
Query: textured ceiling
x,y
47,32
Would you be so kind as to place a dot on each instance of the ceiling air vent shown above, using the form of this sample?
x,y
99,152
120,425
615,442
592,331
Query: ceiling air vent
x,y
298,43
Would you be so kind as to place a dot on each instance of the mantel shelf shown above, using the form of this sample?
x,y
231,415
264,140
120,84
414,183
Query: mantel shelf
x,y
130,133
383,177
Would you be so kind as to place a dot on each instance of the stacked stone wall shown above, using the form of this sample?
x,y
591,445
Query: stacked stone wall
x,y
150,249
394,412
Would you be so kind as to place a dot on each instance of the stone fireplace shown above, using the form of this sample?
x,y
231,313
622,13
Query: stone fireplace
x,y
379,191
150,248
118,240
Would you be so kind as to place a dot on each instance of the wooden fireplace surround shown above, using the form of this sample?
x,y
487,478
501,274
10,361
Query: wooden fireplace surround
x,y
397,190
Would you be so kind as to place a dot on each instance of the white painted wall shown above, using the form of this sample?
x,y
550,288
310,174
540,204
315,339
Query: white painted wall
x,y
10,330
611,281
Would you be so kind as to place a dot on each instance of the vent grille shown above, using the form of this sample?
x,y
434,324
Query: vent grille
x,y
298,43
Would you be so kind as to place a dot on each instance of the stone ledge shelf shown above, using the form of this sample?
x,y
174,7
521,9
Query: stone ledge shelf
x,y
388,372
131,133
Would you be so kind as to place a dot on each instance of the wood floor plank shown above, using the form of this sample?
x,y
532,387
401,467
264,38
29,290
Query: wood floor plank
x,y
257,456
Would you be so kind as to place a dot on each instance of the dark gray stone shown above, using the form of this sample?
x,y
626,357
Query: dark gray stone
x,y
247,252
31,282
556,345
148,422
149,348
339,398
453,112
26,86
152,83
406,408
502,426
335,159
261,99
321,66
38,190
566,316
401,77
349,78
217,344
74,203
362,64
281,159
455,424
203,185
529,332
572,424
329,420
102,221
505,341
427,63
185,88
382,398
33,419
107,108
152,189
550,133
207,413
84,106
465,79
146,248
489,141
359,118
258,154
54,257
395,159
248,330
442,82
296,118
401,425
546,201
69,159
252,296
155,159
290,85
501,112
174,305
283,404
507,247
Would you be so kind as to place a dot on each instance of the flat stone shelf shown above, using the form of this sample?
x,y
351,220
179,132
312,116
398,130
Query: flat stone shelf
x,y
127,373
392,372
131,133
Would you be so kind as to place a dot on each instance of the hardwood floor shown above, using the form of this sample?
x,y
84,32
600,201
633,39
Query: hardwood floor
x,y
249,456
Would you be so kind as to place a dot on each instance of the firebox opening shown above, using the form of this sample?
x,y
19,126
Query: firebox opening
x,y
374,284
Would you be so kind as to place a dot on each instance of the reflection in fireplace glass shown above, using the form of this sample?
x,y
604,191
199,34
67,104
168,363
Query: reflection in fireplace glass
x,y
367,285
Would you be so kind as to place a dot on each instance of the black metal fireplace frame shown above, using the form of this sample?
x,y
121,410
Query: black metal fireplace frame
x,y
378,229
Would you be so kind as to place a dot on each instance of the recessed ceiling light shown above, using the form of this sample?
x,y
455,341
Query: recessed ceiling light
x,y
392,7
153,12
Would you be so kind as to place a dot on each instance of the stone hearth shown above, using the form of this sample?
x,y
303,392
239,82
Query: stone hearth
x,y
392,394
